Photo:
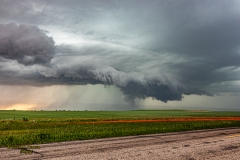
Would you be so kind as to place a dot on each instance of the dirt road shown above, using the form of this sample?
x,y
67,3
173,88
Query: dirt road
x,y
204,144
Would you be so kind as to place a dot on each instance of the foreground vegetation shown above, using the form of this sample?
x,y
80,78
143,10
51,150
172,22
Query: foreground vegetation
x,y
36,129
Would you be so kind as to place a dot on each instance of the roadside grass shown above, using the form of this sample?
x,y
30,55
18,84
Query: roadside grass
x,y
19,129
15,133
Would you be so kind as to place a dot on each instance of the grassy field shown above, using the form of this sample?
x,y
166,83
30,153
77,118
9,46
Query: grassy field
x,y
139,114
34,127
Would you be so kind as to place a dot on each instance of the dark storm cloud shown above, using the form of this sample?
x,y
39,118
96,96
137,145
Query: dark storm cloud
x,y
25,43
159,48
133,85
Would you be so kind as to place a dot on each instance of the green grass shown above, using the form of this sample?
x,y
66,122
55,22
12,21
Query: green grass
x,y
35,127
11,114
15,133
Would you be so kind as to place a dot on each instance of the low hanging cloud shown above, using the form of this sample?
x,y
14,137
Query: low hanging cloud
x,y
25,43
133,85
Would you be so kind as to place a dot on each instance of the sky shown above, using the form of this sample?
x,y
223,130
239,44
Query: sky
x,y
119,55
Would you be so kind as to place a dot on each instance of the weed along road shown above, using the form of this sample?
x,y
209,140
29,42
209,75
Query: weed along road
x,y
203,144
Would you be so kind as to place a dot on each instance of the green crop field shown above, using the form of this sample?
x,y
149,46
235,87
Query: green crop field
x,y
35,127
11,114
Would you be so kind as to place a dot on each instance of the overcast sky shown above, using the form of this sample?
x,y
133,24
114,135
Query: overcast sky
x,y
118,55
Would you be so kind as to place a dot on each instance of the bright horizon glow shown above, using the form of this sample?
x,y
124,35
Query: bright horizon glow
x,y
21,106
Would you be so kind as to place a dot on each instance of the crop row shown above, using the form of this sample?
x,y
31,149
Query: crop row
x,y
14,133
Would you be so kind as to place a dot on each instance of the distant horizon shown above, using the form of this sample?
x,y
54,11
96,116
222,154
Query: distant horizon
x,y
162,109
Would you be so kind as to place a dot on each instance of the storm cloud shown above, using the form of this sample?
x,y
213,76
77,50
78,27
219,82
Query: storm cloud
x,y
133,84
160,49
25,43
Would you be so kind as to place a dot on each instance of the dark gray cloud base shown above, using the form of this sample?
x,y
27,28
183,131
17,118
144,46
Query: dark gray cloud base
x,y
159,49
25,43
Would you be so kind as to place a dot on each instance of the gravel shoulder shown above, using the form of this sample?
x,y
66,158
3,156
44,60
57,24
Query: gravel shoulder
x,y
203,144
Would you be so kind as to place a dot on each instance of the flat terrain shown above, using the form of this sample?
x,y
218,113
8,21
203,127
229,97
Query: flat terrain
x,y
191,145
19,128
134,114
